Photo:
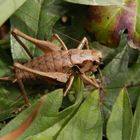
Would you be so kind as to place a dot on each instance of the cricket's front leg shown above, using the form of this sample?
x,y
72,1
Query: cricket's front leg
x,y
68,85
91,81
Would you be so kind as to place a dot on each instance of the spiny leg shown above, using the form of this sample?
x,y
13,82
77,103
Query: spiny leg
x,y
5,78
87,65
68,85
11,78
83,43
45,46
22,44
56,36
23,92
61,77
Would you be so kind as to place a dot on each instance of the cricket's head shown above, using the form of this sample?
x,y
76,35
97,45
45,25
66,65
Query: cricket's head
x,y
87,60
96,59
97,56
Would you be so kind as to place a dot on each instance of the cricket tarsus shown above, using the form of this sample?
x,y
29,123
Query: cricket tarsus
x,y
23,92
8,78
56,65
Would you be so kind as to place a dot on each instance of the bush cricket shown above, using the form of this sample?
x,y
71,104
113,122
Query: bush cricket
x,y
57,65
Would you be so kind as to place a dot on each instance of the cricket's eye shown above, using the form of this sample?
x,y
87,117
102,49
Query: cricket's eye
x,y
100,59
95,63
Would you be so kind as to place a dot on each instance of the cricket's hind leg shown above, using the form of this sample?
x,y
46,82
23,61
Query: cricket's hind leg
x,y
11,78
8,78
22,44
44,45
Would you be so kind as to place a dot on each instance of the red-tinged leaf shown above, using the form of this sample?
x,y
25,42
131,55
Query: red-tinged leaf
x,y
106,22
35,119
23,126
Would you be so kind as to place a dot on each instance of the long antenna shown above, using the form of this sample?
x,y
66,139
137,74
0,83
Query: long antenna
x,y
55,30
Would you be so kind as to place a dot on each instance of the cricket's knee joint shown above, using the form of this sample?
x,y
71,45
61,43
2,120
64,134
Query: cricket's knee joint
x,y
85,40
56,35
14,31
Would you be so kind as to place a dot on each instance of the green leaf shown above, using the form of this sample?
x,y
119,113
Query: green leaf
x,y
44,116
114,76
5,61
134,72
10,100
37,24
62,117
116,71
8,7
86,124
51,132
132,78
136,123
120,121
5,43
133,82
9,94
97,2
118,74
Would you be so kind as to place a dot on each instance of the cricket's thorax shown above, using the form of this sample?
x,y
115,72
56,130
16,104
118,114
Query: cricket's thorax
x,y
80,56
55,61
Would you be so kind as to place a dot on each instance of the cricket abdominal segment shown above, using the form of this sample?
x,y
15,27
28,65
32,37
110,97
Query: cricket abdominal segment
x,y
59,61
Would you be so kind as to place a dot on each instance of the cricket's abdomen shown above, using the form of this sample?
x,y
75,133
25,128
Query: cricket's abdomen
x,y
56,61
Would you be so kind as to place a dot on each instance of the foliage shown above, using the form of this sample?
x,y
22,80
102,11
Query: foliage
x,y
111,112
97,2
12,5
111,20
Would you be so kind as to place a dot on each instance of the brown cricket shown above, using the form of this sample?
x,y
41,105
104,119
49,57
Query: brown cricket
x,y
57,65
